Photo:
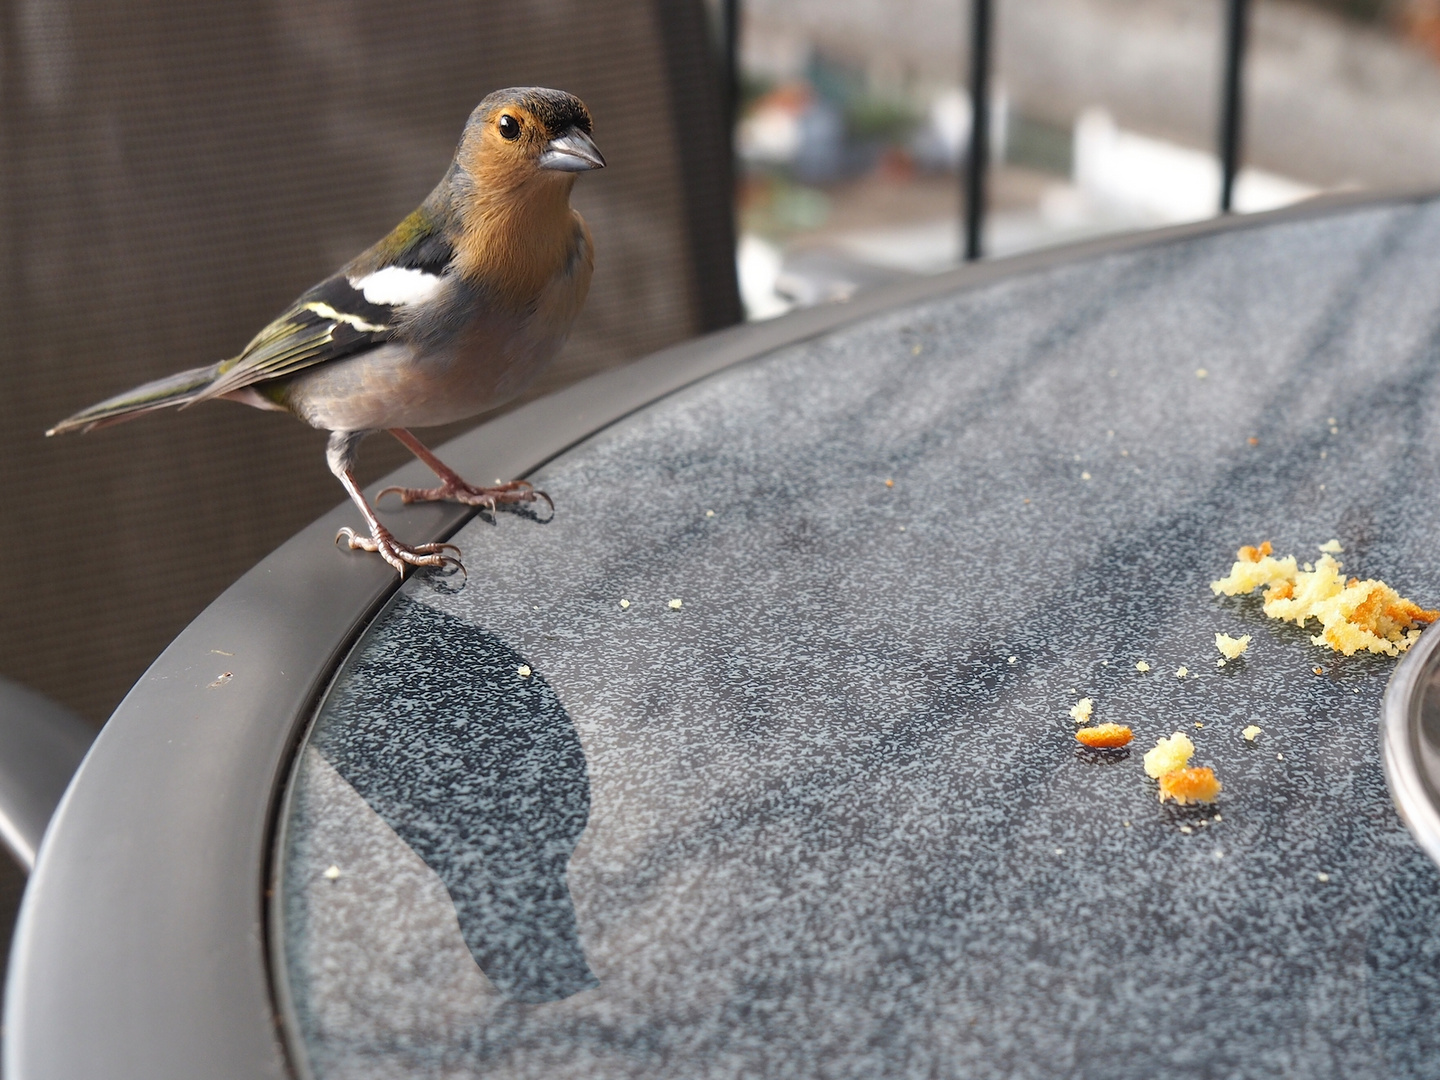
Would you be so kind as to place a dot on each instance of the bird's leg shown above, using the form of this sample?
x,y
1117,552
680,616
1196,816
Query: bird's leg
x,y
340,456
453,487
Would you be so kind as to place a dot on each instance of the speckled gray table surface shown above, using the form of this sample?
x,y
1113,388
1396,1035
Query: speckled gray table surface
x,y
827,817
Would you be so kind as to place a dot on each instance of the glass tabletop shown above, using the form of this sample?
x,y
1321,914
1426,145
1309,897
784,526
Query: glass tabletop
x,y
757,760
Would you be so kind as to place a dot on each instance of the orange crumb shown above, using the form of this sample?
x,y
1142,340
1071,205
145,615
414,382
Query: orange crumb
x,y
1408,611
1188,786
1254,441
1104,736
1251,554
1282,590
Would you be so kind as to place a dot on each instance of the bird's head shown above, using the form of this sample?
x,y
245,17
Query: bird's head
x,y
528,133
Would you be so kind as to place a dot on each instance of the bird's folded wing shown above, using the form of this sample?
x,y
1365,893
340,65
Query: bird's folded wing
x,y
331,321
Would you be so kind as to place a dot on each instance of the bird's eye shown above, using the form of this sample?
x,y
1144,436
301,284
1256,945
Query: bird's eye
x,y
509,127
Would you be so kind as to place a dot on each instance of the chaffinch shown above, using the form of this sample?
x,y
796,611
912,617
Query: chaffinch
x,y
454,312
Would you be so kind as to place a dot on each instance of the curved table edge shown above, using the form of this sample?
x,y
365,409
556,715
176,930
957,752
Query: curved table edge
x,y
1411,788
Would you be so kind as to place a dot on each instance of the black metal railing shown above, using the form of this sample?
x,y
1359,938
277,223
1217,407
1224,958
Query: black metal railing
x,y
982,32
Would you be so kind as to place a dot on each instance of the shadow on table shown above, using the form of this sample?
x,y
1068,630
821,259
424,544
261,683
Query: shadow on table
x,y
474,763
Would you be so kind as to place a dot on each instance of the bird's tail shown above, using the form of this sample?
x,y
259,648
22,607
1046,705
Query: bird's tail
x,y
179,389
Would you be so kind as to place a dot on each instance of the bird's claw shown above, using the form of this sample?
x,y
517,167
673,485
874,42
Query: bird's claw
x,y
401,556
489,498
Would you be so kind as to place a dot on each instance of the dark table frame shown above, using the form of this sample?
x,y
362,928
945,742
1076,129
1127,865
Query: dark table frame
x,y
142,944
1410,741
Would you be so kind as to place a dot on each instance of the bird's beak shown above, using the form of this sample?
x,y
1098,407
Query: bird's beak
x,y
573,151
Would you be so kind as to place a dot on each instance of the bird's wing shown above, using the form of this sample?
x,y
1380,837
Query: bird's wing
x,y
353,311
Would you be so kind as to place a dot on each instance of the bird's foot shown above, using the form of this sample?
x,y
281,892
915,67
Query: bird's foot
x,y
457,490
399,555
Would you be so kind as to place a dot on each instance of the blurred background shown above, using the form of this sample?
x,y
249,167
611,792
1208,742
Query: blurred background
x,y
173,173
1104,117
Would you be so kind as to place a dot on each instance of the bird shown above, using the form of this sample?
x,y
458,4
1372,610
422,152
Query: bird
x,y
452,313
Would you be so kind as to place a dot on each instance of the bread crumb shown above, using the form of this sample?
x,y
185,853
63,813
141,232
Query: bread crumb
x,y
332,872
1181,671
1220,662
1332,547
1254,567
1251,732
1215,818
889,483
1279,757
1187,786
1186,829
1014,660
1231,647
709,513
1201,373
1142,667
1081,710
1318,670
1322,877
1126,824
1199,723
1104,736
624,604
1084,476
1168,755
676,605
1354,615
523,671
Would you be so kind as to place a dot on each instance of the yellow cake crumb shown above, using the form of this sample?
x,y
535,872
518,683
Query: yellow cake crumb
x,y
1332,547
1105,736
1181,671
1230,647
1081,710
1354,615
1251,732
1142,666
1168,755
1187,786
1254,567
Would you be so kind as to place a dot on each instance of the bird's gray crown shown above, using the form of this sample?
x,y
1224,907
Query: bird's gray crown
x,y
555,109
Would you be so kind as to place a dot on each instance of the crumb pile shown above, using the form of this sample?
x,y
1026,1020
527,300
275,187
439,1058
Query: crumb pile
x,y
1353,614
1168,763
